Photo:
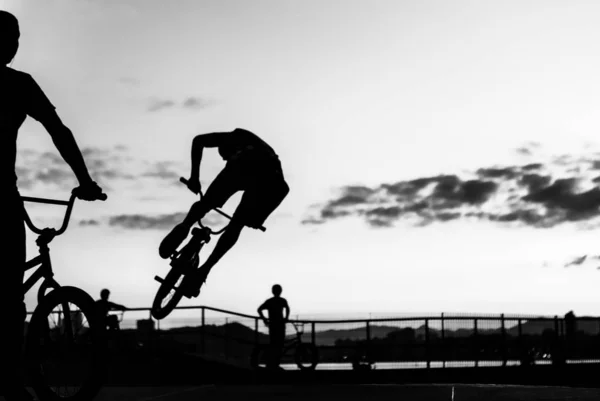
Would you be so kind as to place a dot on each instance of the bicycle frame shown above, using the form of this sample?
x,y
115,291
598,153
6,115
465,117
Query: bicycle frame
x,y
45,236
294,341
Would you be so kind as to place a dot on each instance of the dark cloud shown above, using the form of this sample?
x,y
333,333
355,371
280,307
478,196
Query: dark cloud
x,y
523,195
90,222
495,172
532,166
48,168
56,176
142,222
534,182
161,221
160,104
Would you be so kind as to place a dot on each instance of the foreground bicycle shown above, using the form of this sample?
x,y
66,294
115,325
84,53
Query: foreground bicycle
x,y
306,355
184,261
65,336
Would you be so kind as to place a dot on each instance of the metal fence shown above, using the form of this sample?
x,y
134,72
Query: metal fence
x,y
408,342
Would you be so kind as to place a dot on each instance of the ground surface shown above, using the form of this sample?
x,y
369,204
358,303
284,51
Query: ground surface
x,y
376,392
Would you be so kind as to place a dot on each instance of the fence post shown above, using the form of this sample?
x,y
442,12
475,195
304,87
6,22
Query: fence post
x,y
427,343
504,347
476,342
522,350
203,338
559,343
368,341
443,342
255,331
226,338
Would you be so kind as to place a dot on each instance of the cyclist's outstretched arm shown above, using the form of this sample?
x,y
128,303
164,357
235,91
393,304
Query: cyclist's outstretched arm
x,y
67,147
115,306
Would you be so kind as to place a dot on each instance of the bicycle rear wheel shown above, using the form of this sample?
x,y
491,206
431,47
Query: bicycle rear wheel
x,y
306,356
64,347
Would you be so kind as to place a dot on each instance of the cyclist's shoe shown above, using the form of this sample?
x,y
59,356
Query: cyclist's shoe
x,y
190,287
172,241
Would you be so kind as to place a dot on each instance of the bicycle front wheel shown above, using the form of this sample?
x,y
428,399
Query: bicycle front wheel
x,y
306,356
64,347
168,294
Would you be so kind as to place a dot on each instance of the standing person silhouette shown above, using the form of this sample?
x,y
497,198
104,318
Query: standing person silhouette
x,y
105,306
20,96
276,306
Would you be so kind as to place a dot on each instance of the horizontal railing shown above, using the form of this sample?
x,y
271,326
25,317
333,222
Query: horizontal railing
x,y
442,341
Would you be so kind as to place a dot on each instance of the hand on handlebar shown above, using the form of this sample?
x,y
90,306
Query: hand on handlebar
x,y
193,184
89,191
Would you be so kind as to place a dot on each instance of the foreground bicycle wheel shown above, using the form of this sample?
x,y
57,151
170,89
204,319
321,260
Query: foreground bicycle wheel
x,y
64,347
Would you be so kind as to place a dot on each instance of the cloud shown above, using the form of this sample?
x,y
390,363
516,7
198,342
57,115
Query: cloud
x,y
190,103
163,170
197,103
160,221
108,166
561,190
89,222
529,148
158,104
142,222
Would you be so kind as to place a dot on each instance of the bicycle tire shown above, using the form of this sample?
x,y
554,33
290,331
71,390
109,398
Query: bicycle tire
x,y
306,356
160,310
42,345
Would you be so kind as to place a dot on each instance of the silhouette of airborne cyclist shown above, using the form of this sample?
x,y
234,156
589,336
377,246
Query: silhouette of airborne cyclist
x,y
253,167
20,96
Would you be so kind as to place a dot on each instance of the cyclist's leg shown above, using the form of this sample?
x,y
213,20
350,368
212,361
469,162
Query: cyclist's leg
x,y
225,242
11,297
277,339
222,188
264,201
256,205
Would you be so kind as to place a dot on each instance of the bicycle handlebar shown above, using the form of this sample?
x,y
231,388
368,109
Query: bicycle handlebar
x,y
69,204
185,182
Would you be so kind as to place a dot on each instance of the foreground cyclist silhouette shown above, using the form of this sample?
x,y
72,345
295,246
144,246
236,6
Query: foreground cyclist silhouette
x,y
20,96
252,167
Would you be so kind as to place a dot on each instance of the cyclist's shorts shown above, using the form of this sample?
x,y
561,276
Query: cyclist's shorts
x,y
264,189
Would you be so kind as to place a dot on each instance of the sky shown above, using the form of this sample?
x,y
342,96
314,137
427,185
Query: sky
x,y
442,156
